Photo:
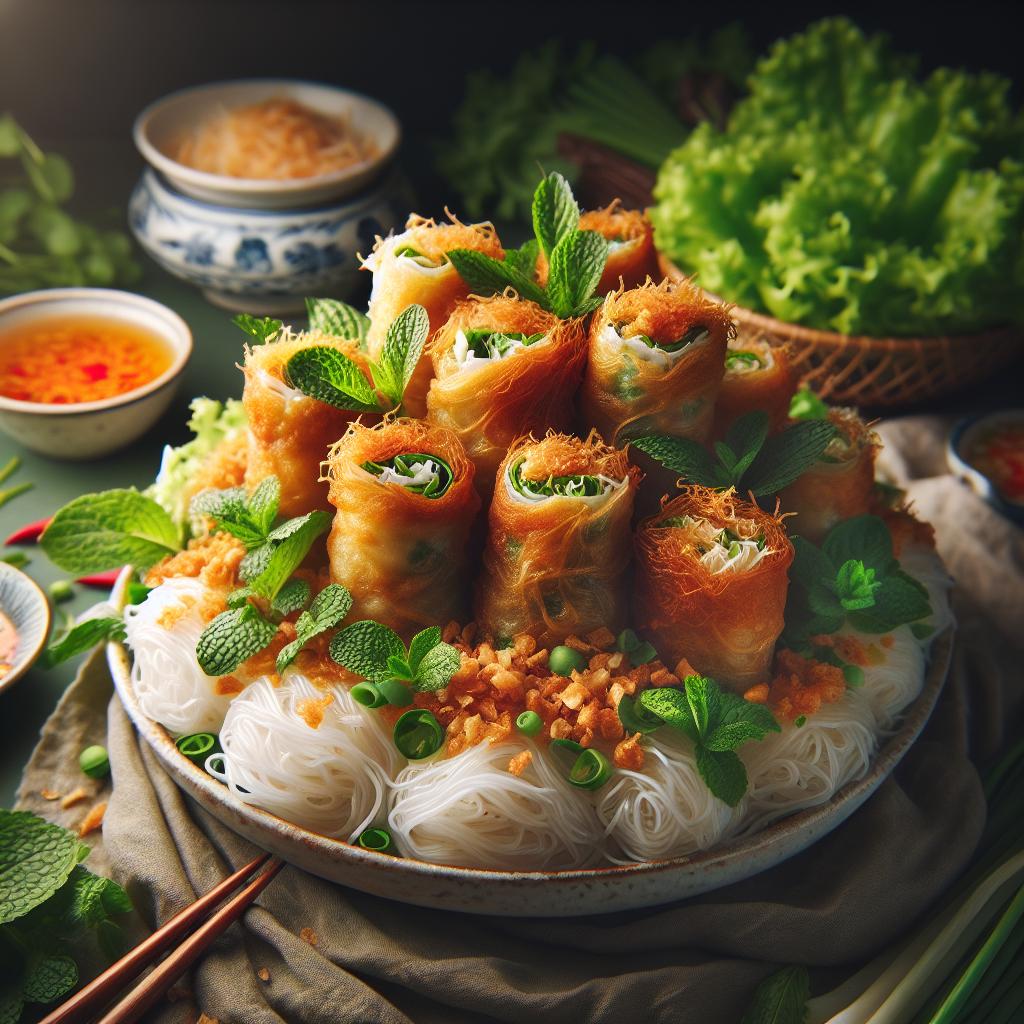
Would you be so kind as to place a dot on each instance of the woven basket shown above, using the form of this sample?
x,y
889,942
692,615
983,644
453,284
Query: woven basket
x,y
878,372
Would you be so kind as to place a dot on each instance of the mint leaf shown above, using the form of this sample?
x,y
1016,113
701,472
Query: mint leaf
x,y
36,859
263,329
288,554
898,600
810,564
786,456
437,667
723,772
97,532
823,600
364,648
524,259
856,585
255,562
48,978
263,503
290,598
746,437
729,737
83,637
331,605
422,642
577,263
672,707
331,377
340,320
806,405
702,695
487,276
230,503
781,998
555,212
86,899
864,538
733,708
690,460
403,347
231,638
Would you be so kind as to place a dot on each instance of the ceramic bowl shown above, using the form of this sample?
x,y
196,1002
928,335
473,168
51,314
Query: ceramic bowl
x,y
159,127
571,893
962,438
26,606
87,430
263,261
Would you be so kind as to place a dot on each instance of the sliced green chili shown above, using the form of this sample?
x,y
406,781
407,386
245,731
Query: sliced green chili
x,y
376,839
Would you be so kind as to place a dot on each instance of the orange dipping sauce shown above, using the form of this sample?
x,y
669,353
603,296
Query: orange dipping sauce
x,y
67,360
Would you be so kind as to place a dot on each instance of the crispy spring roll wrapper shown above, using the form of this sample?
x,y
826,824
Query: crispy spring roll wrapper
x,y
289,432
631,256
429,280
555,565
757,376
838,486
400,553
696,599
491,402
632,388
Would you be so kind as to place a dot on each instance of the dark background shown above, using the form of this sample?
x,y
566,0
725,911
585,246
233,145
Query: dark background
x,y
72,69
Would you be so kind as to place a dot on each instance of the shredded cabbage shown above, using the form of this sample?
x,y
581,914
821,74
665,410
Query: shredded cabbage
x,y
211,422
847,194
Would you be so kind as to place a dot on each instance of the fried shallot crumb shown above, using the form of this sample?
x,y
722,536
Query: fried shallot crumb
x,y
629,754
93,820
757,694
311,710
76,796
517,764
263,974
309,936
801,685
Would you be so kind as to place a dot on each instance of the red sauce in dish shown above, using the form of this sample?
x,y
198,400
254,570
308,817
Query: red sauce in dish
x,y
66,360
999,455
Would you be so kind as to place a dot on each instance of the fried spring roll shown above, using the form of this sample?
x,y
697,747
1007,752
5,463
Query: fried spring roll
x,y
711,585
757,376
503,368
413,268
656,359
559,540
405,504
289,433
840,485
631,256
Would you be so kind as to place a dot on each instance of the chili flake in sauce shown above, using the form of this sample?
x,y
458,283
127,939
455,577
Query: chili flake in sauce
x,y
999,454
67,360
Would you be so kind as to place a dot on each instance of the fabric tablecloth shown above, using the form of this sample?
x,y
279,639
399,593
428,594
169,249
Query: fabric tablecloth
x,y
310,951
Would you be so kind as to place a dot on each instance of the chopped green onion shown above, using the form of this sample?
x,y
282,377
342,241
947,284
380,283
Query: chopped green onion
x,y
61,591
563,661
529,723
94,761
418,734
198,746
591,770
369,695
395,692
854,675
636,718
376,839
800,721
571,745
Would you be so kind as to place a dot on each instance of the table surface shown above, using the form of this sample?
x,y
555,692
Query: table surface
x,y
106,172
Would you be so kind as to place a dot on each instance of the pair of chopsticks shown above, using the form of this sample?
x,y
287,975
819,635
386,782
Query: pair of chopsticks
x,y
85,1004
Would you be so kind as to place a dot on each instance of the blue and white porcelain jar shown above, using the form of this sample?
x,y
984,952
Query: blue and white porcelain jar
x,y
264,261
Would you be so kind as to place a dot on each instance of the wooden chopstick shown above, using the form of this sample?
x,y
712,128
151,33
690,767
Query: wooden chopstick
x,y
156,983
88,1001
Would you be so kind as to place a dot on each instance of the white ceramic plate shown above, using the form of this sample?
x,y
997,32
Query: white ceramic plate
x,y
534,893
26,606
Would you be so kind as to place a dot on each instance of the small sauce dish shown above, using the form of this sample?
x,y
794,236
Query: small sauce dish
x,y
24,624
86,429
987,452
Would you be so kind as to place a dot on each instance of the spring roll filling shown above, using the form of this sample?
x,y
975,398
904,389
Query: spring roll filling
x,y
738,362
663,354
480,347
721,550
592,489
418,472
419,259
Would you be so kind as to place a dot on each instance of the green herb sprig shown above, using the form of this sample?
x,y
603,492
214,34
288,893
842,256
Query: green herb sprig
x,y
81,637
330,376
715,720
575,258
748,459
49,904
852,578
375,652
572,486
339,319
436,487
262,329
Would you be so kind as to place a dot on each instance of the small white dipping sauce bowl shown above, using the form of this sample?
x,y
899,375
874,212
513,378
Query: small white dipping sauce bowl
x,y
87,430
28,611
162,125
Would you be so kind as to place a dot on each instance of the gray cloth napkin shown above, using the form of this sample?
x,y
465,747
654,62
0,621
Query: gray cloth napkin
x,y
309,951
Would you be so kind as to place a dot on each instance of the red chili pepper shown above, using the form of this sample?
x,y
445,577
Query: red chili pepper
x,y
101,579
29,532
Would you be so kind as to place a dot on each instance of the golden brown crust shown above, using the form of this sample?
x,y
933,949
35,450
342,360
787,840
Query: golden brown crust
x,y
401,555
725,624
557,567
492,405
623,394
289,435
